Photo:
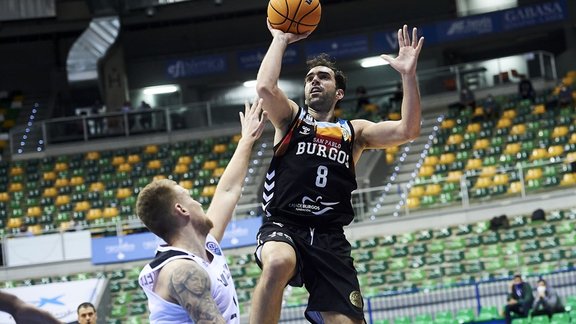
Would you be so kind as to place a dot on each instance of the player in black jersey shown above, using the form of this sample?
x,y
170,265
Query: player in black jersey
x,y
307,190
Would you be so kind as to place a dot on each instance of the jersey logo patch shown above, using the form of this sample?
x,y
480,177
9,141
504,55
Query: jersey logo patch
x,y
314,206
305,130
214,248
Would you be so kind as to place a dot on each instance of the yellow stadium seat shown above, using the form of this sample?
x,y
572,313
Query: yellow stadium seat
x,y
481,144
474,128
538,154
93,214
14,223
568,179
413,202
34,211
512,148
488,171
504,123
62,200
15,186
393,149
236,138
560,131
447,123
417,191
117,160
125,167
133,158
123,193
473,164
533,174
509,114
181,168
431,160
500,179
571,157
426,171
210,165
35,229
208,191
151,149
61,182
110,212
61,166
389,158
433,189
515,187
555,151
454,139
82,206
14,171
77,180
3,144
50,192
572,138
518,129
4,197
219,148
447,158
154,164
187,184
483,182
218,172
97,186
539,109
158,177
50,175
394,116
94,155
9,123
185,159
478,111
454,176
65,226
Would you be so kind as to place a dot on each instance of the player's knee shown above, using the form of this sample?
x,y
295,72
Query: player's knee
x,y
278,265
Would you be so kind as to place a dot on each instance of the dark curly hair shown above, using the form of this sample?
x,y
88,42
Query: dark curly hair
x,y
329,62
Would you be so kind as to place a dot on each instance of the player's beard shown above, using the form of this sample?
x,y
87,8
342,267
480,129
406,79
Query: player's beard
x,y
323,103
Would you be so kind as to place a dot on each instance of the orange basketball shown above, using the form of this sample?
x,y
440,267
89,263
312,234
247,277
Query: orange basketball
x,y
294,16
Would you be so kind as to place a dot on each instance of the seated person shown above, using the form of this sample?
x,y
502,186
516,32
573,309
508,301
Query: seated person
x,y
520,299
547,301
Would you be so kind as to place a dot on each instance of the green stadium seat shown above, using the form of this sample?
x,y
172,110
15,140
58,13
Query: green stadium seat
x,y
422,319
488,313
540,320
403,320
570,306
465,315
560,318
443,317
520,321
381,321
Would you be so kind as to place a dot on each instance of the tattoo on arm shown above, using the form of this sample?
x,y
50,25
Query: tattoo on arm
x,y
190,286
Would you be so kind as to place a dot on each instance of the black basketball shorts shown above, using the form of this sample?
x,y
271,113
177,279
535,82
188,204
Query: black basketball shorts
x,y
324,267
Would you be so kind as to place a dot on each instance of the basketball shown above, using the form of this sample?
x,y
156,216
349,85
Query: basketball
x,y
294,16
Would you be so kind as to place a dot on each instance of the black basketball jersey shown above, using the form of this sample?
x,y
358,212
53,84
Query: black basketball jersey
x,y
311,175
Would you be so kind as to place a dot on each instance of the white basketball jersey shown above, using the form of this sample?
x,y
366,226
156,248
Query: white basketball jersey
x,y
222,287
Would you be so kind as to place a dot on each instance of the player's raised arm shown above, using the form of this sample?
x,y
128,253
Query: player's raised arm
x,y
23,312
230,185
389,133
281,110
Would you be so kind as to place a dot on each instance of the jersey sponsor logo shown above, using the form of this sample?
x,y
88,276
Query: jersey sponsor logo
x,y
356,299
313,206
214,248
305,130
324,150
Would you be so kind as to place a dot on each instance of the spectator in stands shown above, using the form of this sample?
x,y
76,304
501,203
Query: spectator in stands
x,y
146,116
24,313
86,313
520,299
98,122
565,95
547,301
491,108
467,98
525,89
189,280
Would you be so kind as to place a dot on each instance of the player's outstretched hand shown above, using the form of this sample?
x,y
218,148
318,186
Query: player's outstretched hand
x,y
31,315
253,120
291,38
408,51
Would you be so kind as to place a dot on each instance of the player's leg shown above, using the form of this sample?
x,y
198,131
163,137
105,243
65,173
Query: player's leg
x,y
278,260
333,317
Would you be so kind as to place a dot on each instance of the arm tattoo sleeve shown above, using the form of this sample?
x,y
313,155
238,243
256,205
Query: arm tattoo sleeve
x,y
190,286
